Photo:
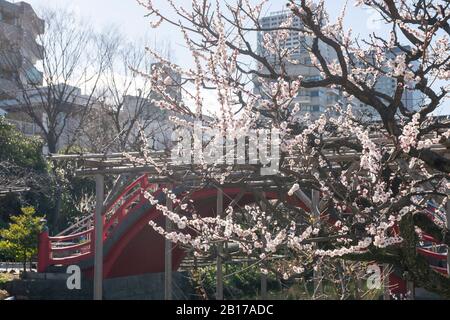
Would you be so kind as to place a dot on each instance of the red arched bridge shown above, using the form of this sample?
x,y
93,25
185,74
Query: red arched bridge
x,y
132,247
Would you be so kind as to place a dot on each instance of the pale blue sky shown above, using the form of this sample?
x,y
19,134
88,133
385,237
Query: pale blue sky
x,y
128,16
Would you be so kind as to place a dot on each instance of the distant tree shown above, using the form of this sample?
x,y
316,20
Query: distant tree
x,y
125,106
24,179
19,149
71,62
20,239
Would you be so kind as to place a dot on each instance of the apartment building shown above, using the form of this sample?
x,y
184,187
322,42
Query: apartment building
x,y
19,50
314,101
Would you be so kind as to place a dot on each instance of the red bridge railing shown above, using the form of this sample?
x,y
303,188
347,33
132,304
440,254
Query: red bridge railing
x,y
75,247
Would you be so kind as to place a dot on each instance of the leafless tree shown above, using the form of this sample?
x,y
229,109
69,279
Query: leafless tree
x,y
126,105
16,179
72,63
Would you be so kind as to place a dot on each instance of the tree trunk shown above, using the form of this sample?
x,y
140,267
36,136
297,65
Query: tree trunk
x,y
52,143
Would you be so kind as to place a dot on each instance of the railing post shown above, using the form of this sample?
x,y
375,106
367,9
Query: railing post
x,y
44,248
263,286
98,232
144,186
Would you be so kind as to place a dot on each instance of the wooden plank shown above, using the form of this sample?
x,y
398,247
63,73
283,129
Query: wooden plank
x,y
98,221
304,198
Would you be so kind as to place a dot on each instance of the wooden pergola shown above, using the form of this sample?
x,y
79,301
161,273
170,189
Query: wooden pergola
x,y
8,190
161,170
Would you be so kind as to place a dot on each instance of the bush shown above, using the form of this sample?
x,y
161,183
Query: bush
x,y
20,239
21,159
4,278
19,149
240,281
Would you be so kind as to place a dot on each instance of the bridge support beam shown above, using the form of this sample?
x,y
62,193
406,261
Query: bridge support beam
x,y
168,253
98,229
219,271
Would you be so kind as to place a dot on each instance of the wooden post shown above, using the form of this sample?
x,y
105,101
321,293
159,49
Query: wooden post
x,y
44,249
98,227
358,286
410,289
317,274
263,275
168,254
219,271
263,286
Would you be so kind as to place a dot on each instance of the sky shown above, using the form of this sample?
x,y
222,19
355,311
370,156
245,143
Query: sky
x,y
128,17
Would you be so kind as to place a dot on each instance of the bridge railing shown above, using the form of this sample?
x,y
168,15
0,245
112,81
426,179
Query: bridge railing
x,y
128,201
71,248
78,225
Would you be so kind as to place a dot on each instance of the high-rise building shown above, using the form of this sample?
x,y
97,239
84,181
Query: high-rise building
x,y
387,85
315,100
19,51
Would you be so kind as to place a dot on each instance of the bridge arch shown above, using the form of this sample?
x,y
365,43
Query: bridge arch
x,y
133,247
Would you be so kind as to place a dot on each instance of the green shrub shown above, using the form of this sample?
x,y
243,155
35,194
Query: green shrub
x,y
20,239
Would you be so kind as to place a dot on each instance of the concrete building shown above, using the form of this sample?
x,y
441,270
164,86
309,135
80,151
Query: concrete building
x,y
26,103
172,79
411,99
155,121
316,100
67,111
313,101
19,51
